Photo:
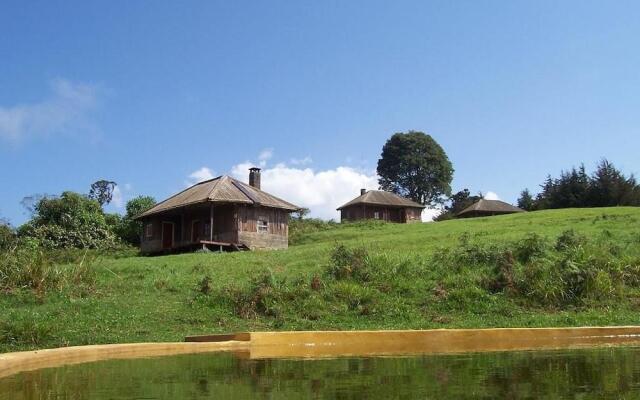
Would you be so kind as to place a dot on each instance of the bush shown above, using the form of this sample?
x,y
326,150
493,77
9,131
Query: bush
x,y
7,236
533,245
568,274
27,266
71,220
349,263
261,297
570,239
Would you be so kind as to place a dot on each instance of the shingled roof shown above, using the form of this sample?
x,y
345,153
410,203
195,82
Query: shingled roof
x,y
491,206
222,189
382,198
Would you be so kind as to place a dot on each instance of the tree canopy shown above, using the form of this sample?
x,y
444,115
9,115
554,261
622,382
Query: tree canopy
x,y
606,186
68,220
414,165
129,229
456,203
102,191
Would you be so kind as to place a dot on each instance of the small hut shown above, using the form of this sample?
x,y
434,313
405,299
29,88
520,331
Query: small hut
x,y
218,213
385,206
487,208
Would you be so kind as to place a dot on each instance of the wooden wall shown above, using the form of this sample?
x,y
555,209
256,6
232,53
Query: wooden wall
x,y
278,220
389,214
277,234
231,223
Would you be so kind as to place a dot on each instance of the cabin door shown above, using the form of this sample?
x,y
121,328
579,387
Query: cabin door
x,y
196,230
167,235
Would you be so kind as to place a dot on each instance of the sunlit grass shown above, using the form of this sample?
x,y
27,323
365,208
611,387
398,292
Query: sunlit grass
x,y
417,278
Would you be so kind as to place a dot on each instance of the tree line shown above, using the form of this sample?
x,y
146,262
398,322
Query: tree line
x,y
415,166
607,186
76,220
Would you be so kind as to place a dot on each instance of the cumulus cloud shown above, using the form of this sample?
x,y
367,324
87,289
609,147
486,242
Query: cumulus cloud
x,y
491,196
320,191
202,174
121,194
64,109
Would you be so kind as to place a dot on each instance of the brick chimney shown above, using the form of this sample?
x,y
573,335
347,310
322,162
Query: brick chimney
x,y
254,177
363,191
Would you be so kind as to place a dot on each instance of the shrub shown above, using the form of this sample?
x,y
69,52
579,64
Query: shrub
x,y
7,236
356,297
261,297
533,245
569,239
349,263
502,276
70,220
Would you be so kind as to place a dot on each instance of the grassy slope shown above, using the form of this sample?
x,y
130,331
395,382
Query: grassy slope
x,y
155,298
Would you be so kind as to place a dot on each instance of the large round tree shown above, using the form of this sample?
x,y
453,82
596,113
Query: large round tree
x,y
414,165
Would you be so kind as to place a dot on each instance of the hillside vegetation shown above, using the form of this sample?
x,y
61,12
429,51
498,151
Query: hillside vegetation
x,y
545,268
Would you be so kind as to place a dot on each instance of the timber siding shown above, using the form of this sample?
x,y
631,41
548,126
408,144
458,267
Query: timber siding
x,y
276,236
382,206
221,212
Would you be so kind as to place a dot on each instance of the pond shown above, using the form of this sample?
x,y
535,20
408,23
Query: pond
x,y
595,373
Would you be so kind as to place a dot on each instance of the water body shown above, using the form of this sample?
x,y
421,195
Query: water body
x,y
597,373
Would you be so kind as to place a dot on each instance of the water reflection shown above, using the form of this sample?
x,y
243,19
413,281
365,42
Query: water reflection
x,y
585,374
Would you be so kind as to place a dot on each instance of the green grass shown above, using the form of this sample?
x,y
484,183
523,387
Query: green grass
x,y
502,271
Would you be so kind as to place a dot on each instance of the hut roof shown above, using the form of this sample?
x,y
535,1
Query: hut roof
x,y
491,206
222,189
382,198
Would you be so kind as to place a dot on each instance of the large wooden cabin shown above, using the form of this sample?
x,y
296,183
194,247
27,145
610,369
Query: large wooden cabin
x,y
385,206
218,213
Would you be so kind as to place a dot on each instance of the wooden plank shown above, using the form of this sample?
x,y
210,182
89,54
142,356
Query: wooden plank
x,y
214,243
240,337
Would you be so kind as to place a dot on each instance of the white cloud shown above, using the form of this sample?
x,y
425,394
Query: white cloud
x,y
264,156
320,191
301,161
202,174
64,109
491,196
117,200
121,194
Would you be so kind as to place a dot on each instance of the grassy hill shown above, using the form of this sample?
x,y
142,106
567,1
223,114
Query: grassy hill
x,y
547,268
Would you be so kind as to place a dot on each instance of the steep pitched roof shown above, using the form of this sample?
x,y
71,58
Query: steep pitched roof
x,y
382,198
491,206
222,189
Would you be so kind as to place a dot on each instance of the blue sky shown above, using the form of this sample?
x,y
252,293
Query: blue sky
x,y
155,95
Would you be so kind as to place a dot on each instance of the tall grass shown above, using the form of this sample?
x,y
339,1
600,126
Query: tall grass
x,y
24,265
534,271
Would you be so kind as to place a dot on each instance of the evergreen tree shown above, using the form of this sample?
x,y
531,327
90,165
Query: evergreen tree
x,y
525,201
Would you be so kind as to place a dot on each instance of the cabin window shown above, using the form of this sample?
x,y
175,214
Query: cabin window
x,y
376,215
263,226
148,230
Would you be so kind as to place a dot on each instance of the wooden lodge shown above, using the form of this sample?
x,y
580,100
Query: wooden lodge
x,y
385,206
215,214
487,208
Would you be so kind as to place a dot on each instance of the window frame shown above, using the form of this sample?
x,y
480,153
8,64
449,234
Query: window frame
x,y
148,230
262,225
